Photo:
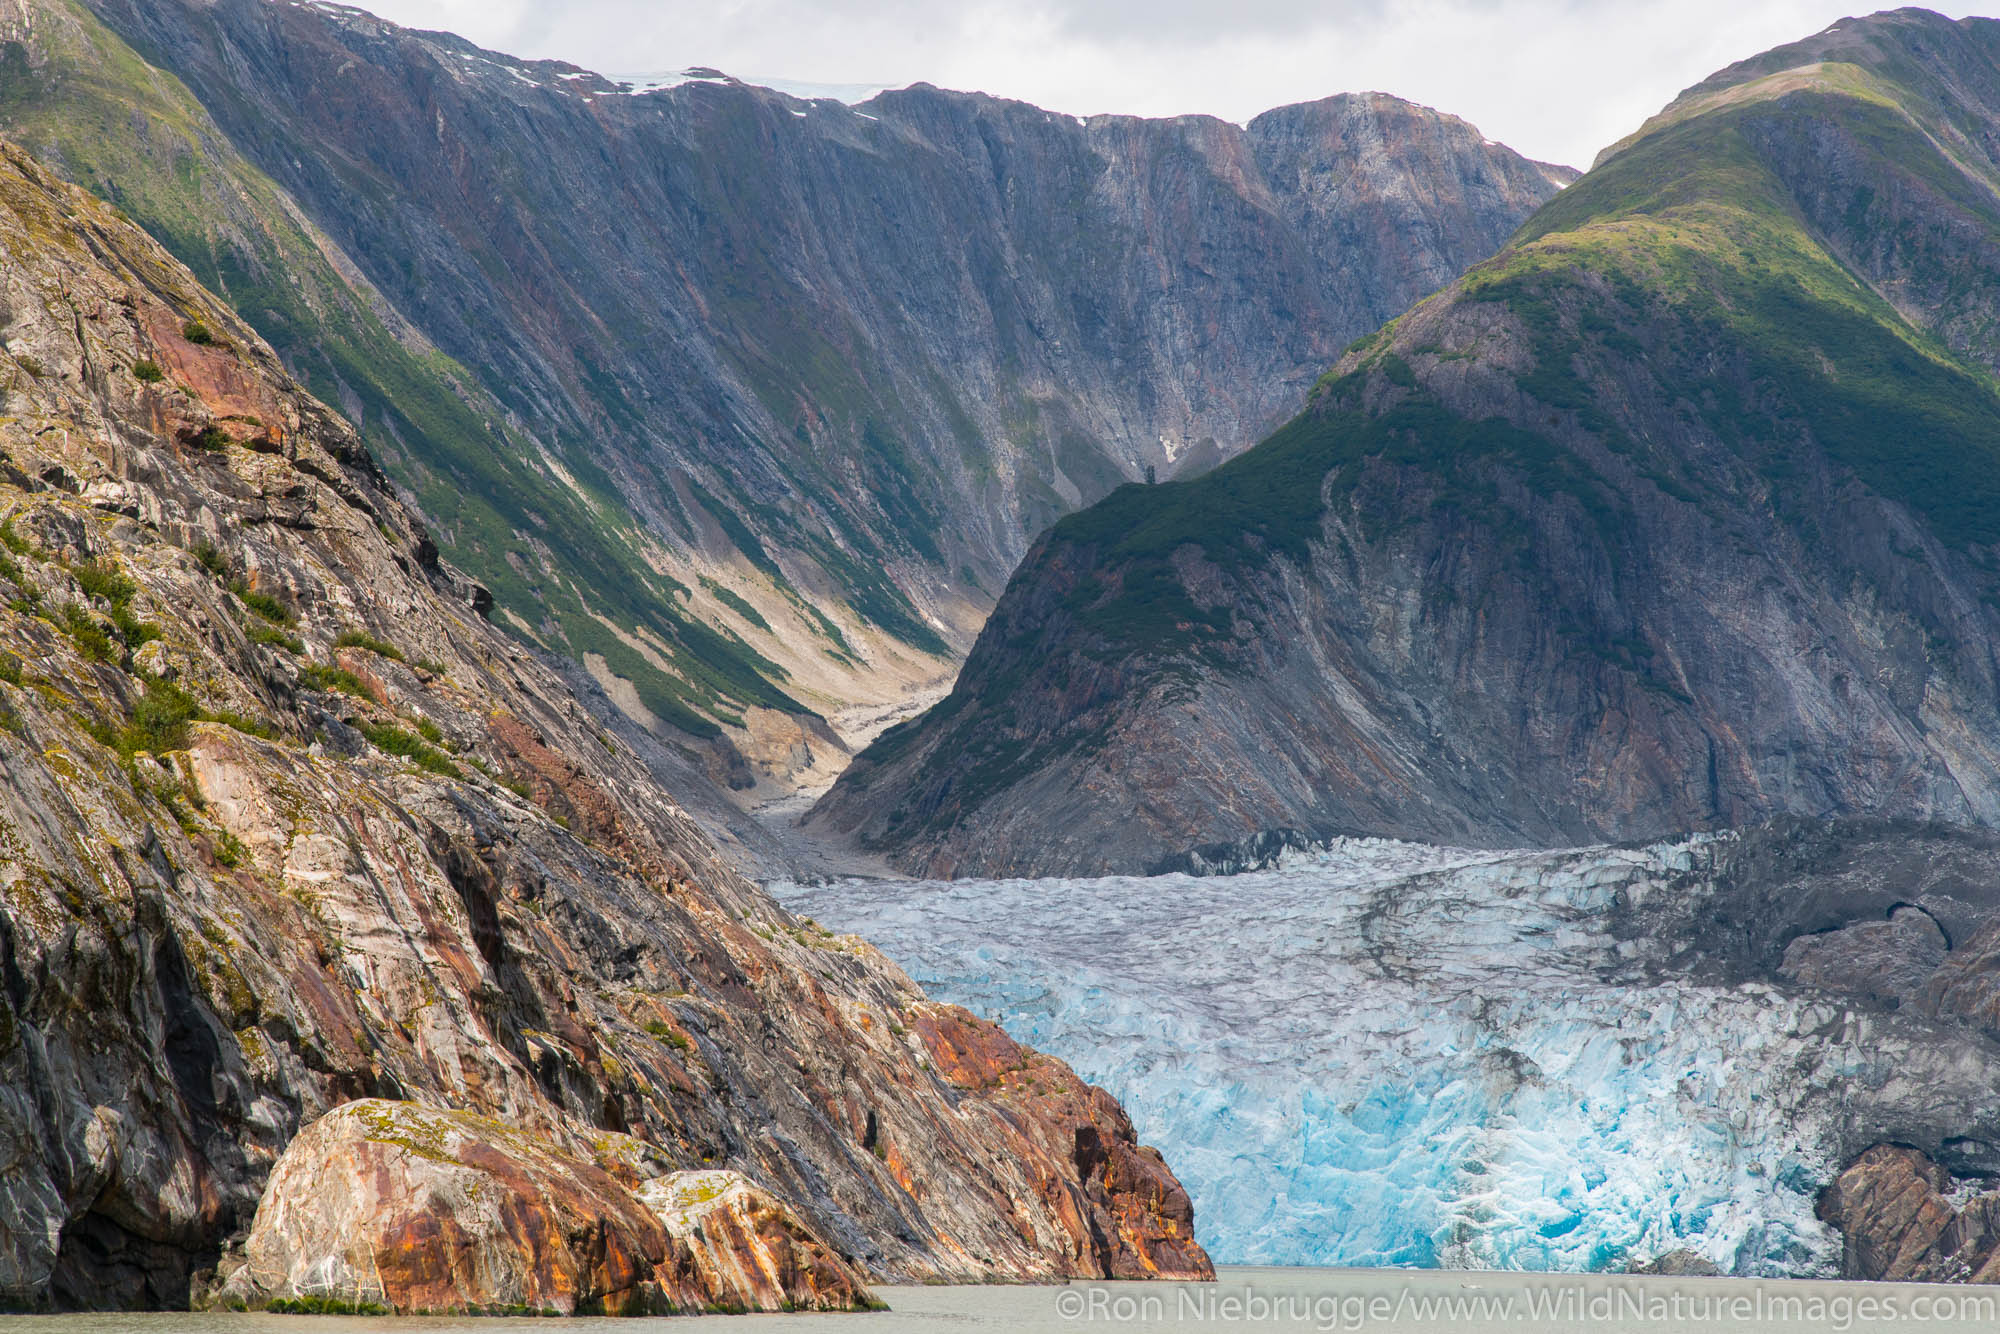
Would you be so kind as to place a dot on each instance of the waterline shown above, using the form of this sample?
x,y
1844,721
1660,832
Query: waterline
x,y
1243,1300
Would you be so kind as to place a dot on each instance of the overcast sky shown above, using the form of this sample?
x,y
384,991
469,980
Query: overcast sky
x,y
1555,79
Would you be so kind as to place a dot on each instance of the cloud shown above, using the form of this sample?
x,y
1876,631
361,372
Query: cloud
x,y
1556,79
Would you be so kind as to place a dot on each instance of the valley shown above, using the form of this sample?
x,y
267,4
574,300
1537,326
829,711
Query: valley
x,y
770,456
652,696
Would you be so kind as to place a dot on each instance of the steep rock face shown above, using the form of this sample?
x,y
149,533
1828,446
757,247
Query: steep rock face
x,y
286,823
847,357
74,92
1899,1221
1662,519
747,1247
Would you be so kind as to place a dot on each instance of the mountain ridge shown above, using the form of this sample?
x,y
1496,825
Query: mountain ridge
x,y
1666,517
836,333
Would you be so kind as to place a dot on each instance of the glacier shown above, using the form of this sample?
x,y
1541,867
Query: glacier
x,y
1384,1054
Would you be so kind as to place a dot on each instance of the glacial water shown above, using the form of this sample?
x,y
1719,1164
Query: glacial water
x,y
1392,1055
1242,1300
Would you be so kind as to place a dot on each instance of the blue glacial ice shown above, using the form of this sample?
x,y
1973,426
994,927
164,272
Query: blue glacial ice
x,y
1387,1054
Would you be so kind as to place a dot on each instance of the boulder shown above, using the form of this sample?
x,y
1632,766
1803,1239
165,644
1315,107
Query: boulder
x,y
1679,1264
413,1208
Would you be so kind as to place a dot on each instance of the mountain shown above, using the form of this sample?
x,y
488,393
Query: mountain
x,y
326,911
1681,511
749,402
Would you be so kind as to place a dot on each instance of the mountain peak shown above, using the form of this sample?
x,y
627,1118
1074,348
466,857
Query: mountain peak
x,y
1680,512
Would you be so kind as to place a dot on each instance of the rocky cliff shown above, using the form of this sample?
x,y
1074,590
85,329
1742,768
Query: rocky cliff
x,y
286,825
827,369
1681,511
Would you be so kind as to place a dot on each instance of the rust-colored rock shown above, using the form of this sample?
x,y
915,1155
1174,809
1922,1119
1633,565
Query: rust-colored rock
x,y
749,1252
417,1209
1898,1223
1126,1213
300,883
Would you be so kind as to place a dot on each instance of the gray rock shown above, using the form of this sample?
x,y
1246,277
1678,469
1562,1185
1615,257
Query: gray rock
x,y
216,926
1578,549
928,325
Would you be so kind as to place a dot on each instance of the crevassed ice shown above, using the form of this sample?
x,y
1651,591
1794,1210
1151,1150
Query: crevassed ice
x,y
1398,1055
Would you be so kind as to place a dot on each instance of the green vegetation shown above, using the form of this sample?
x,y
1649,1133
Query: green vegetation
x,y
198,333
313,676
554,557
158,724
10,668
229,850
210,559
276,638
668,1034
210,439
1703,243
148,372
90,638
263,604
101,579
242,722
323,1306
104,581
733,600
363,640
392,740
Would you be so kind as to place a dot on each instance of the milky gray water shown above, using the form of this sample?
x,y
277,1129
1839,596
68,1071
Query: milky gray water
x,y
1243,1299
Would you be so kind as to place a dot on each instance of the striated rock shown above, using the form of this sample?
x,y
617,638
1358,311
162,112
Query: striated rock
x,y
418,1209
415,1209
1668,517
286,825
856,355
748,1252
1900,1220
1125,1214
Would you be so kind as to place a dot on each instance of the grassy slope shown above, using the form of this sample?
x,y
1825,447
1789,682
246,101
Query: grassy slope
x,y
555,557
1700,247
1684,251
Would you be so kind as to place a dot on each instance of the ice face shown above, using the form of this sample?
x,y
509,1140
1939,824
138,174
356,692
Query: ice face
x,y
1399,1055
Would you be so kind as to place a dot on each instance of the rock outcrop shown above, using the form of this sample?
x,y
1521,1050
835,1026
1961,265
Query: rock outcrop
x,y
828,368
1680,513
287,824
1901,1219
408,1208
749,1252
